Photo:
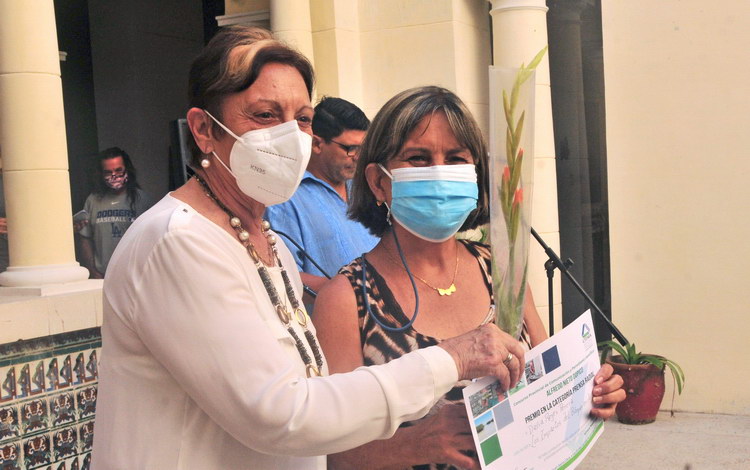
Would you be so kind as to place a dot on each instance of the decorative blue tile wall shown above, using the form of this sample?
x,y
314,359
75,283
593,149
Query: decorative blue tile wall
x,y
47,401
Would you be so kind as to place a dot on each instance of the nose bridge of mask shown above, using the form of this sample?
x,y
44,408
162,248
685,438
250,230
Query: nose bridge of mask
x,y
461,173
440,182
271,133
264,134
257,136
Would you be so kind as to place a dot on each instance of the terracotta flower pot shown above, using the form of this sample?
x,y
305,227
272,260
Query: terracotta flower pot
x,y
644,385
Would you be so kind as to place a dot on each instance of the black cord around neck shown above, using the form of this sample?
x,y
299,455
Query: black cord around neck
x,y
413,285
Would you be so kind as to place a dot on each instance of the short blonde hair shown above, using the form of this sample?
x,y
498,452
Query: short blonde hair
x,y
231,62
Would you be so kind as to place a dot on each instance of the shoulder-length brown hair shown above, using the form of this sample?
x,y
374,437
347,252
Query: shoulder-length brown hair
x,y
388,133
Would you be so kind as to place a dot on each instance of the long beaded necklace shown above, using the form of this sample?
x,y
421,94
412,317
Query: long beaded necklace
x,y
443,292
312,369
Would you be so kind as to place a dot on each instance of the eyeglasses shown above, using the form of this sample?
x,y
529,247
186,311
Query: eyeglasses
x,y
118,172
351,150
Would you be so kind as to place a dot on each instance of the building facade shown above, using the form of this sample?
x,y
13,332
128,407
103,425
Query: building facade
x,y
673,89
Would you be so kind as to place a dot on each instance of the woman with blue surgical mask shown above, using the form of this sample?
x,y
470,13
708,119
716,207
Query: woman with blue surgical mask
x,y
421,178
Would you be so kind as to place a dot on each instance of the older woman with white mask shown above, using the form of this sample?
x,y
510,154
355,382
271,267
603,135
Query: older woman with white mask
x,y
209,359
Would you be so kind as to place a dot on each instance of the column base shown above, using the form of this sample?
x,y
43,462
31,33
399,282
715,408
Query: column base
x,y
38,276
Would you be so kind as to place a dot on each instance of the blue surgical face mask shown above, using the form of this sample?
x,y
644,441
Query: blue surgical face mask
x,y
433,202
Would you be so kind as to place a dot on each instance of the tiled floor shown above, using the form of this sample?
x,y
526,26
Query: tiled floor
x,y
687,441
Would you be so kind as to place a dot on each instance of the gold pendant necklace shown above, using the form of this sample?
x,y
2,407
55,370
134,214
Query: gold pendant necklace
x,y
443,292
451,289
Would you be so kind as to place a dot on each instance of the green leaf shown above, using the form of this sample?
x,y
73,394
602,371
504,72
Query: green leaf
x,y
514,95
517,306
507,202
654,360
623,352
616,346
503,193
515,174
522,288
679,376
510,151
537,58
519,130
517,82
523,75
513,228
677,369
633,356
507,109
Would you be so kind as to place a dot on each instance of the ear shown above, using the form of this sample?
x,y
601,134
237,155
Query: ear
x,y
200,126
380,184
317,142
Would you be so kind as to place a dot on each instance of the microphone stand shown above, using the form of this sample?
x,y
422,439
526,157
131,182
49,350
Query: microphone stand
x,y
553,262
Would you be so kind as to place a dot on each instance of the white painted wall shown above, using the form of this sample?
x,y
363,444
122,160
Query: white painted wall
x,y
61,309
677,80
411,43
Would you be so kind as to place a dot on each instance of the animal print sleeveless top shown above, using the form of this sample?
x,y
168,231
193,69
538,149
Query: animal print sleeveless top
x,y
380,346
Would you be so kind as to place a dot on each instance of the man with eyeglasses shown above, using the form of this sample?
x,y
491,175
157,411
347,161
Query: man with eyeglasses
x,y
108,211
315,217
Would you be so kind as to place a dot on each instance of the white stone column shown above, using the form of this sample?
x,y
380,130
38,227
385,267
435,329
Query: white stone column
x,y
34,151
519,30
338,54
290,21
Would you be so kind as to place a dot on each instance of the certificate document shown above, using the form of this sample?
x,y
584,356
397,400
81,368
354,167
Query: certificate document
x,y
544,422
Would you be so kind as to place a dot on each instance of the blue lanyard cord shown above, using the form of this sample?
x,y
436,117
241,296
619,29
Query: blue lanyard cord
x,y
303,252
413,285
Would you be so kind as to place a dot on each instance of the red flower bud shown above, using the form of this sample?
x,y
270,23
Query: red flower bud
x,y
506,174
518,197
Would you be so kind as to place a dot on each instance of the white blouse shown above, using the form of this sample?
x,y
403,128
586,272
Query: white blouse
x,y
197,371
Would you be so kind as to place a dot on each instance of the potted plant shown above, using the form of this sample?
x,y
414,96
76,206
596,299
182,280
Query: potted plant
x,y
643,376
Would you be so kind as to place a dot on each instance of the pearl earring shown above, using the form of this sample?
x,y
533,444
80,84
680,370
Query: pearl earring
x,y
205,163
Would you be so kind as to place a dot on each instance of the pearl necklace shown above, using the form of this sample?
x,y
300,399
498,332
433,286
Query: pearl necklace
x,y
312,369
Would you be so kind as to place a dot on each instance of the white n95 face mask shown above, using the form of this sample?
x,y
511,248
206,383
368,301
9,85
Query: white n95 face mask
x,y
268,164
